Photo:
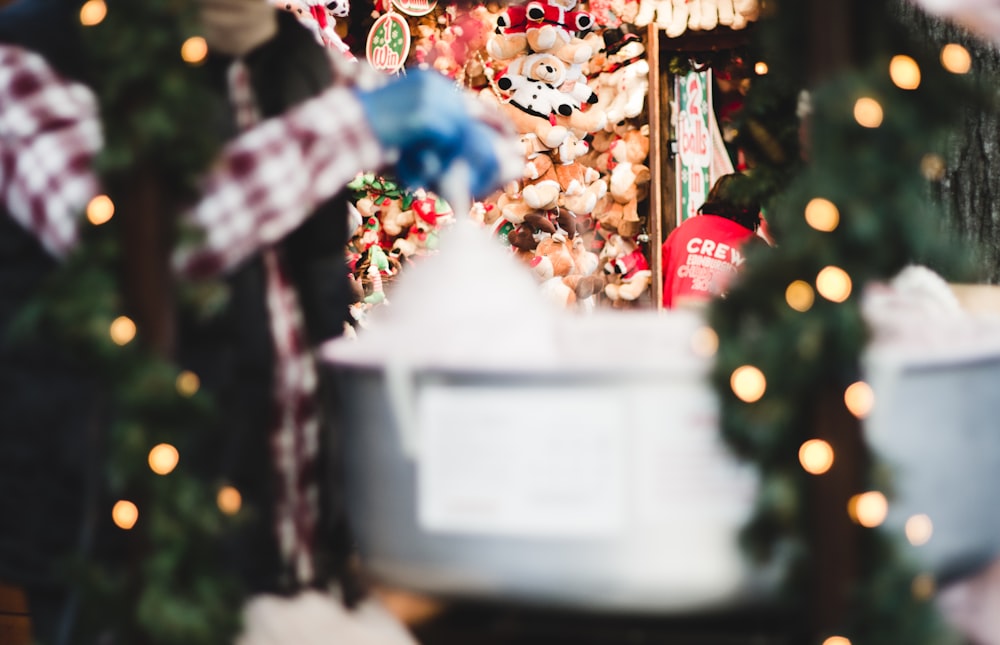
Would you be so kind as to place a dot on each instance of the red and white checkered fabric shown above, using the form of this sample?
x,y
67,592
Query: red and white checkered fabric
x,y
264,184
48,138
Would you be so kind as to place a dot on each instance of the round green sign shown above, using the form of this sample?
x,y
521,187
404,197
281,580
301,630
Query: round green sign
x,y
388,43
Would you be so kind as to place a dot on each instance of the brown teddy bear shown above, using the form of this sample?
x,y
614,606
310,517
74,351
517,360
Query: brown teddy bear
x,y
627,268
580,185
629,178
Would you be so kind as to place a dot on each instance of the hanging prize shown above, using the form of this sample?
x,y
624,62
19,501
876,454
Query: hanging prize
x,y
415,7
388,43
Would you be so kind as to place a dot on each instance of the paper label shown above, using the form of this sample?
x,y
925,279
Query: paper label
x,y
517,460
584,461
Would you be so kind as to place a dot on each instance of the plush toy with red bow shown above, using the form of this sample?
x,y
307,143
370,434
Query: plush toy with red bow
x,y
320,17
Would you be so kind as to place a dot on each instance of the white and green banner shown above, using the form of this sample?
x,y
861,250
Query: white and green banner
x,y
694,141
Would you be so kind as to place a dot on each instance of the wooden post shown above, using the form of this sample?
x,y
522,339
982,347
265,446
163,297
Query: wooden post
x,y
659,136
834,537
147,237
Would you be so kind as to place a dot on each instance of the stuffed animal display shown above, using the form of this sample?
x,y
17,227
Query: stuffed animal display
x,y
391,229
573,81
576,92
677,16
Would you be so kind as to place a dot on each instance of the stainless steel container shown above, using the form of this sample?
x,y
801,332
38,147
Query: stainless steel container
x,y
598,489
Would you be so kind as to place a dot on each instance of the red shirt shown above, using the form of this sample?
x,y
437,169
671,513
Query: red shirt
x,y
700,257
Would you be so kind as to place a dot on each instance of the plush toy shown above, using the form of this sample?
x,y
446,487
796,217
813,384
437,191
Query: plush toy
x,y
580,185
630,177
541,183
621,218
599,155
553,262
745,11
320,17
563,279
533,100
624,83
394,218
524,237
625,261
571,98
658,12
679,18
510,204
552,26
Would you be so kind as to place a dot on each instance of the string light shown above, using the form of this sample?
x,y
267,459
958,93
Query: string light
x,y
760,68
122,330
919,529
163,459
194,50
837,640
93,13
904,72
822,214
124,514
705,342
800,296
748,383
816,456
956,59
868,509
859,399
932,167
834,284
100,210
229,500
868,112
187,383
923,586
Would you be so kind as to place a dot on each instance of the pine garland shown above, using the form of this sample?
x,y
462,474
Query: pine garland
x,y
811,353
161,581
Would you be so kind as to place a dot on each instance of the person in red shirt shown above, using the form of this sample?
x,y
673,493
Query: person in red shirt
x,y
702,254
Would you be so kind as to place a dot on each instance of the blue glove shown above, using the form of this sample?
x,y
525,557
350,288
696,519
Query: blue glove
x,y
429,123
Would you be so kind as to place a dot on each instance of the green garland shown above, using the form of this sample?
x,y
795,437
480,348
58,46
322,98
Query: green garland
x,y
873,176
162,581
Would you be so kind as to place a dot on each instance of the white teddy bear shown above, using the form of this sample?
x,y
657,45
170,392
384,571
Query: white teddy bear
x,y
658,12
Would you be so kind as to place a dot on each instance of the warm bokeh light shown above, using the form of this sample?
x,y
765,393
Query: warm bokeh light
x,y
748,383
837,640
834,284
868,112
229,500
859,399
705,342
932,167
163,459
923,586
956,59
125,514
800,295
194,50
816,456
919,529
187,383
93,13
822,214
904,72
122,330
760,68
100,210
868,509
